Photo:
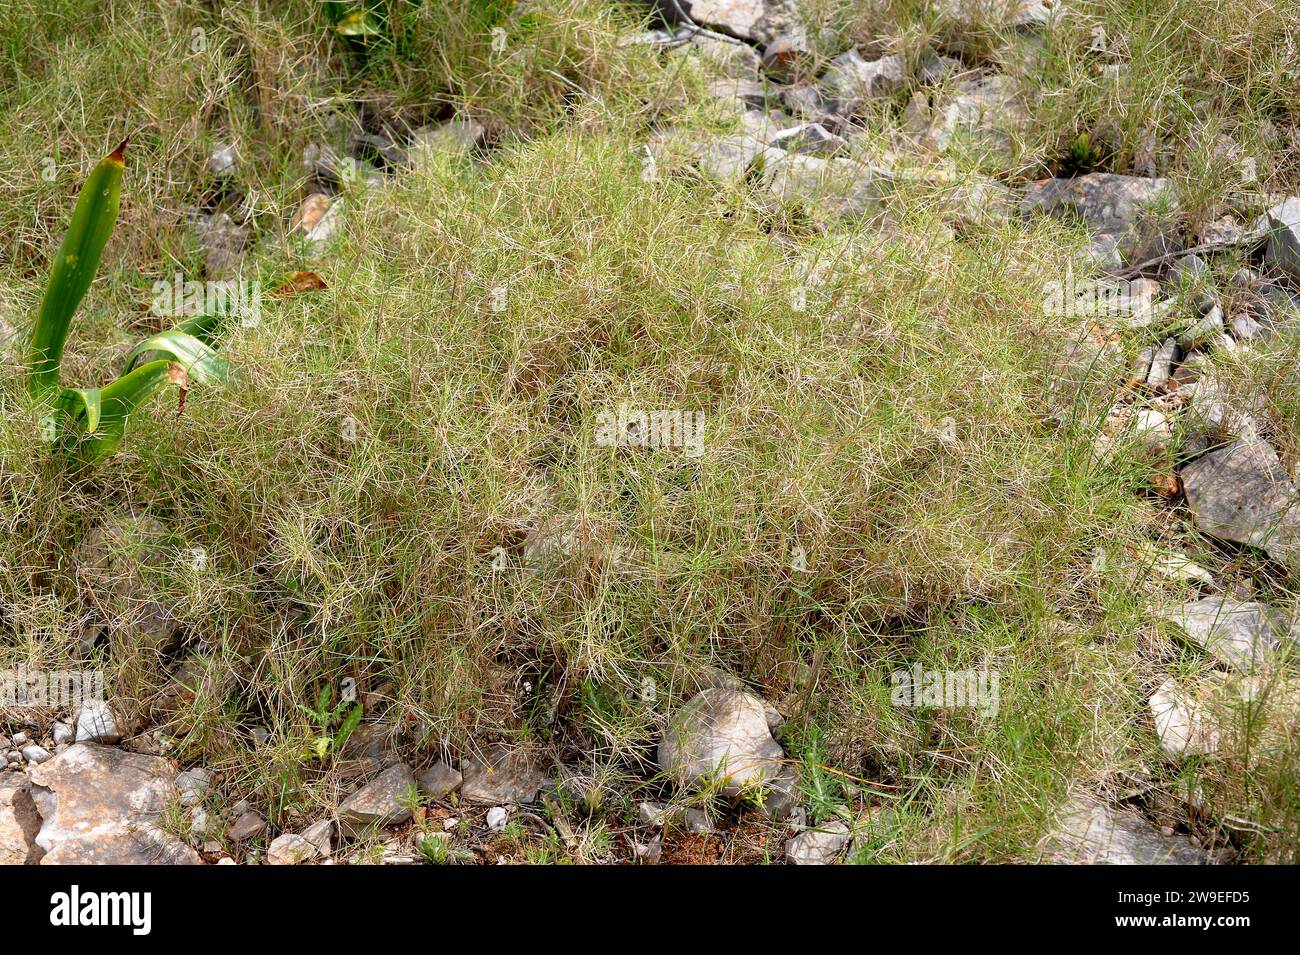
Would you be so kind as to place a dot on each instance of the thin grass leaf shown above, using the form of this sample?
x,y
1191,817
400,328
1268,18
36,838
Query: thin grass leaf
x,y
74,268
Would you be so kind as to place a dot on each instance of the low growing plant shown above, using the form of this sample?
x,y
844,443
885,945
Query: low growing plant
x,y
93,420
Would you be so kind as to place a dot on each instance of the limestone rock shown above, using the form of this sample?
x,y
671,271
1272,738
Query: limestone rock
x,y
1091,833
19,821
1239,633
1136,213
384,801
1242,493
100,805
828,189
818,846
440,780
1181,723
721,737
1283,225
503,776
289,849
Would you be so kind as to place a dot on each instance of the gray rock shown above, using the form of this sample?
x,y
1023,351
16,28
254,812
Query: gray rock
x,y
247,825
1239,633
1283,225
19,821
1089,832
62,733
440,780
502,776
730,59
1139,214
36,754
811,138
193,785
1180,723
649,852
1242,493
813,103
697,822
652,814
384,801
289,849
1206,330
221,163
200,824
1246,328
100,805
738,94
721,738
819,846
829,190
853,80
984,113
97,724
222,241
760,21
729,158
1162,365
320,835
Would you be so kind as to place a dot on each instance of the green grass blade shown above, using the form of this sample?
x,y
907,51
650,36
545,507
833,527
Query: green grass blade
x,y
74,268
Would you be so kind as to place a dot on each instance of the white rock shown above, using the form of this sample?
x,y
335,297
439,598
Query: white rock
x,y
818,846
36,754
97,724
63,733
289,849
1180,723
193,785
497,817
721,736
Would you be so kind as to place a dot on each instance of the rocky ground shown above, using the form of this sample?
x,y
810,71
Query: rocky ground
x,y
1161,311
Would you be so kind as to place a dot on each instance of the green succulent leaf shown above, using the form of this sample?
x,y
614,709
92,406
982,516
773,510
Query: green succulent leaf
x,y
201,363
119,400
73,269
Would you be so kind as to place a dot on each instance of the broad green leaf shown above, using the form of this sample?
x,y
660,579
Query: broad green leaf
x,y
82,405
74,268
200,362
120,399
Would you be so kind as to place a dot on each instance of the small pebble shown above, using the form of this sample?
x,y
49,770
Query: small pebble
x,y
36,754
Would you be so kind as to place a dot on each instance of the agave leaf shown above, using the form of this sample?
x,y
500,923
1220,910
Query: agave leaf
x,y
74,268
199,360
82,405
121,398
